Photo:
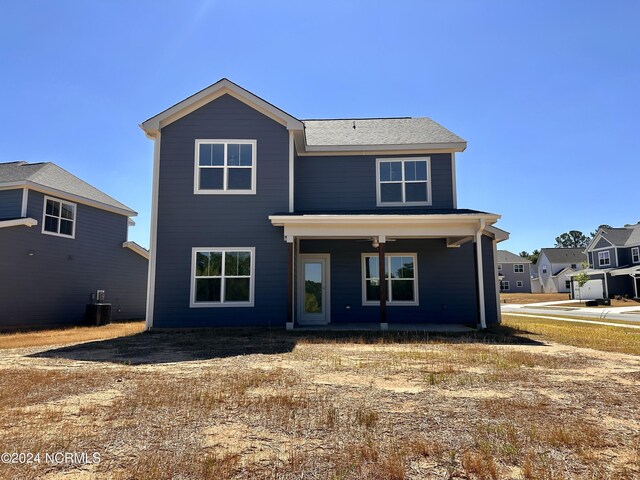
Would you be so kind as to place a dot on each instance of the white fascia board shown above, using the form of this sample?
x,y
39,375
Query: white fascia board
x,y
209,94
594,241
498,234
136,248
418,148
67,196
27,222
380,219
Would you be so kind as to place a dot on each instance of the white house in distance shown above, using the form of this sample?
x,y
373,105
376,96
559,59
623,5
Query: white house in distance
x,y
556,266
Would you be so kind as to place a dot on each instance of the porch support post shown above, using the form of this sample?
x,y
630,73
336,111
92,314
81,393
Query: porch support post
x,y
606,285
383,284
480,274
290,293
635,285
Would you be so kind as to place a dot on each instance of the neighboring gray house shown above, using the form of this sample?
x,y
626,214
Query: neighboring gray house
x,y
614,256
60,241
515,272
259,218
555,267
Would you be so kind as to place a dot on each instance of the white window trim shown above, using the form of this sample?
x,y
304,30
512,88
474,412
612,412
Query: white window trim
x,y
505,285
601,256
44,214
515,265
380,203
544,269
225,142
222,303
635,252
414,303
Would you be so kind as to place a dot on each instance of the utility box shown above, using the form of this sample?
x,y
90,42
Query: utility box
x,y
98,313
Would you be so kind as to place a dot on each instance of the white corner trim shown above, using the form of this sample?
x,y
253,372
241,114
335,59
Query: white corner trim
x,y
151,282
453,180
136,248
27,222
291,171
25,201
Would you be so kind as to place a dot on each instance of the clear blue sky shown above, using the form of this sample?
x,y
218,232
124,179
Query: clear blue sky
x,y
547,93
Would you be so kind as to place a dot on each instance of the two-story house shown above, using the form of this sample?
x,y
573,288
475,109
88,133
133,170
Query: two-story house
x,y
614,256
62,240
514,272
556,267
259,218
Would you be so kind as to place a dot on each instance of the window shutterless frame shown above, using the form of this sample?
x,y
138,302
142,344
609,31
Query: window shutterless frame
x,y
225,167
59,217
223,277
518,268
635,254
403,182
519,283
390,301
604,259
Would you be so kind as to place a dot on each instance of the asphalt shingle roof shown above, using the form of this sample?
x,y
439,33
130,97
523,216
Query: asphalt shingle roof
x,y
504,256
377,131
565,255
624,236
50,175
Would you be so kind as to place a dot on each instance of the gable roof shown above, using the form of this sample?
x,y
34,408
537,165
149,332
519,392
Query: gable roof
x,y
223,86
564,255
329,135
379,132
620,237
50,178
504,256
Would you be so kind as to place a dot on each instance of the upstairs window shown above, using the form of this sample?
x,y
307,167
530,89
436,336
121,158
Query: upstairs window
x,y
544,269
225,167
604,259
635,254
59,218
518,268
403,181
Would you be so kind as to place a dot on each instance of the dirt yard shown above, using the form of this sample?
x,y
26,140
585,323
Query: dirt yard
x,y
523,298
247,404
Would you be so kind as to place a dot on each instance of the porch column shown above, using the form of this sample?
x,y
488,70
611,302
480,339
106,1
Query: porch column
x,y
480,278
290,293
635,284
383,284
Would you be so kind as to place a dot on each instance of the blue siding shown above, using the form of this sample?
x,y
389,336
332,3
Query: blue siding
x,y
446,281
53,285
349,182
10,204
602,243
186,220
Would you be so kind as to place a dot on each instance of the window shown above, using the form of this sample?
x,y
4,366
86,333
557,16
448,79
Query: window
x,y
573,265
604,259
567,284
518,268
504,285
401,275
544,269
635,254
499,266
225,166
519,283
59,218
405,181
222,277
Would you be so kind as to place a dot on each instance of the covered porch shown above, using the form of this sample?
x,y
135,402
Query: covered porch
x,y
391,271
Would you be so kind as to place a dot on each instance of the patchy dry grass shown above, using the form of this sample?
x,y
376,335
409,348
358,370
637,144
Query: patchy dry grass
x,y
256,404
524,298
599,337
63,336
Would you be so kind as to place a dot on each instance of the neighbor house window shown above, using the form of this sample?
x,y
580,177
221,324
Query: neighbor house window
x,y
518,268
499,266
225,166
59,218
573,265
403,181
635,254
504,285
544,269
401,275
222,277
567,284
519,283
604,259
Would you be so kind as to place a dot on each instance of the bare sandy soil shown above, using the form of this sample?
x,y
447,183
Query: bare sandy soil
x,y
276,405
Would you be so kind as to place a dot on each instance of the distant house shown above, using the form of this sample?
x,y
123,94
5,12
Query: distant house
x,y
515,272
62,240
614,256
555,267
535,280
260,218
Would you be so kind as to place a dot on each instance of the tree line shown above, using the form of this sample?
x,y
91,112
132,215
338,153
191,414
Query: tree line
x,y
570,239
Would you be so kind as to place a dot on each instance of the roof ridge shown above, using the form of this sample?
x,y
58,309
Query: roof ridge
x,y
358,118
